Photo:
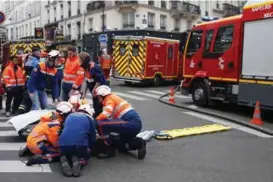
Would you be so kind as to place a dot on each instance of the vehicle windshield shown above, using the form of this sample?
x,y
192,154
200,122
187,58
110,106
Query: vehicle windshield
x,y
195,41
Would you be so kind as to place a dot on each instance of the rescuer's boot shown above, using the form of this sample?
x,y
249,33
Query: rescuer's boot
x,y
65,167
140,145
76,166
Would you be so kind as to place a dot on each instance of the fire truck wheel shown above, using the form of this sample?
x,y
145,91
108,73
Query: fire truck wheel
x,y
200,94
157,81
128,83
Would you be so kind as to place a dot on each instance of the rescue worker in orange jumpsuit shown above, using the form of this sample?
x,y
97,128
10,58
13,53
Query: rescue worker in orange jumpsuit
x,y
105,62
94,77
124,120
14,82
43,139
73,74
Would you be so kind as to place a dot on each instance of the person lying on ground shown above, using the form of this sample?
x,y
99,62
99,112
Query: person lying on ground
x,y
43,139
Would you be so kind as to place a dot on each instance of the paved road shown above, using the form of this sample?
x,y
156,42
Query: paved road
x,y
237,155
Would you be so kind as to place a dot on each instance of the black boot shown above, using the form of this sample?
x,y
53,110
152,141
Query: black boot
x,y
34,160
111,149
65,167
140,145
24,152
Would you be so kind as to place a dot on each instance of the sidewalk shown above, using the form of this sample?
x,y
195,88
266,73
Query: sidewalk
x,y
238,114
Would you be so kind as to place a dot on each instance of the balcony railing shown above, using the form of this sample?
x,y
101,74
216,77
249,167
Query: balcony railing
x,y
123,6
128,25
95,5
184,9
125,2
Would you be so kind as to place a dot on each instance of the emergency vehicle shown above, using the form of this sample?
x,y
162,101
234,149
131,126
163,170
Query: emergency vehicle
x,y
92,45
145,58
20,47
230,59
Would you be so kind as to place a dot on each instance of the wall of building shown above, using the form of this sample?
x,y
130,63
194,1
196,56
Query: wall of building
x,y
75,14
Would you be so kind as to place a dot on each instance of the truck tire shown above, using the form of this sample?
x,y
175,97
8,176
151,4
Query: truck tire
x,y
200,95
157,81
128,83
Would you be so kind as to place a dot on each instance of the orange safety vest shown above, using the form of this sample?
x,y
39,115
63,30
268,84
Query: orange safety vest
x,y
73,72
43,131
105,61
114,107
12,79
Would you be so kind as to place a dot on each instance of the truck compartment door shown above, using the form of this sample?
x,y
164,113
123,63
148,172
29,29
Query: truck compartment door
x,y
121,58
136,57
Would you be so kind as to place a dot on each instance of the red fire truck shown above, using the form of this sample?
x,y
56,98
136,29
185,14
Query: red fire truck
x,y
231,59
144,58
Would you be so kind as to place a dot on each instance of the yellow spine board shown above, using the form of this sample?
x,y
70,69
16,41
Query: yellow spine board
x,y
198,130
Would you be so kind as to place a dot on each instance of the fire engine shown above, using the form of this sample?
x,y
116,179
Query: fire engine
x,y
230,59
144,58
20,47
139,55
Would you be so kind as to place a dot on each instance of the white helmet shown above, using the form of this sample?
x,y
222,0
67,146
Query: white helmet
x,y
103,90
64,108
87,108
53,53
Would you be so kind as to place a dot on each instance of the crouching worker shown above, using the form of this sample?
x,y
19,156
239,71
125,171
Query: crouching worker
x,y
43,139
125,121
76,140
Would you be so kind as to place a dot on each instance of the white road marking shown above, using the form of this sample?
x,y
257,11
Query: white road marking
x,y
193,107
226,123
156,92
12,166
144,94
130,96
8,133
11,146
5,124
4,118
182,96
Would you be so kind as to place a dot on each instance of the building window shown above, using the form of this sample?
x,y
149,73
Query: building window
x,y
223,39
103,22
79,7
189,24
79,29
90,26
209,36
176,24
151,20
217,5
69,8
151,3
128,20
163,4
163,19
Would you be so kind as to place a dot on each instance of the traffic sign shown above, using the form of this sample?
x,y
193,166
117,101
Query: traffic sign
x,y
2,17
103,38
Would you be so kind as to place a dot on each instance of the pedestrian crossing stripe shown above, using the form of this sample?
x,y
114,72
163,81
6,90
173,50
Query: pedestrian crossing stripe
x,y
178,133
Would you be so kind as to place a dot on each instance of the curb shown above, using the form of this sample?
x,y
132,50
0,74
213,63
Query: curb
x,y
261,129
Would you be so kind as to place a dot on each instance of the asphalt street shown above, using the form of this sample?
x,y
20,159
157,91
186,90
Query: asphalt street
x,y
239,155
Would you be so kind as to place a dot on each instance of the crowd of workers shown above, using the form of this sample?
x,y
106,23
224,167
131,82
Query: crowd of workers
x,y
76,128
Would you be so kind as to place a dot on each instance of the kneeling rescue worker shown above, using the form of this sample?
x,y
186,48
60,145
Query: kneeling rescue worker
x,y
125,121
76,140
43,139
